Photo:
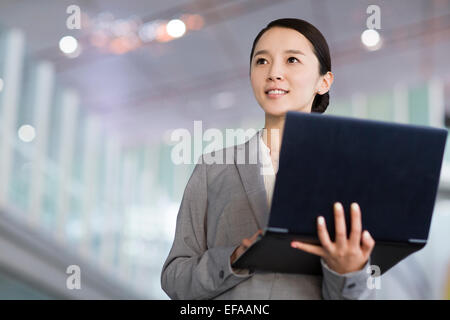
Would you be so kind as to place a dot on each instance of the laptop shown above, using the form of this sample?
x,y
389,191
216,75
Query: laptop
x,y
391,170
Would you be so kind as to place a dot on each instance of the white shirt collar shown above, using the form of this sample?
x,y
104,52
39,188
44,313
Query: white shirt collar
x,y
264,153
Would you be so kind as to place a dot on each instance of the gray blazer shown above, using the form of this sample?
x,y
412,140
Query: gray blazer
x,y
221,205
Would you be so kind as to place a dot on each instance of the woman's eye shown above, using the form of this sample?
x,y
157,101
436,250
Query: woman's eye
x,y
293,59
260,61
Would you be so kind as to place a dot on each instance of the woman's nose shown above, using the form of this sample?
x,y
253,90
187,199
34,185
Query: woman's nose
x,y
275,74
273,77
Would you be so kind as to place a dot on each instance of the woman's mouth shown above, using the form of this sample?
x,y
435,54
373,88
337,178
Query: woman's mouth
x,y
276,93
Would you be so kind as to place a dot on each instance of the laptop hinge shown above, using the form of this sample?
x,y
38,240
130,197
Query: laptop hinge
x,y
282,230
417,240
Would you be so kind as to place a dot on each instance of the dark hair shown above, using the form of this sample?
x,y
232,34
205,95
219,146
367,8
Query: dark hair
x,y
321,51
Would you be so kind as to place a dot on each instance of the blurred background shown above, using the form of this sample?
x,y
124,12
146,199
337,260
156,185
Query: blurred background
x,y
87,109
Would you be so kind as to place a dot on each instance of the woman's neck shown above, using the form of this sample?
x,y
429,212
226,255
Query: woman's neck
x,y
273,132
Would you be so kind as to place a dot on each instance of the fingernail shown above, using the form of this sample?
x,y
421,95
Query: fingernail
x,y
320,220
338,205
354,206
293,245
366,234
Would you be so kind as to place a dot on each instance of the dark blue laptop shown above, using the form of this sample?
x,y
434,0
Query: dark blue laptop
x,y
392,170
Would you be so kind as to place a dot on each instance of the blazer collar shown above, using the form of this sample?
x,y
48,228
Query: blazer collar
x,y
252,179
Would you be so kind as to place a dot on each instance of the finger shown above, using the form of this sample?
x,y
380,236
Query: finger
x,y
246,242
310,248
255,236
368,243
257,233
322,231
355,233
339,225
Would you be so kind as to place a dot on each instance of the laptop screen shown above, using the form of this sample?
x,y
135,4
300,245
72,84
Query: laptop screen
x,y
391,170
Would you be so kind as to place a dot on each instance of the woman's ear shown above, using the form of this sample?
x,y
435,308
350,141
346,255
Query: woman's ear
x,y
325,83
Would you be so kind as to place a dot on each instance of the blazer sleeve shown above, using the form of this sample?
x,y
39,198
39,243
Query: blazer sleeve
x,y
192,270
347,286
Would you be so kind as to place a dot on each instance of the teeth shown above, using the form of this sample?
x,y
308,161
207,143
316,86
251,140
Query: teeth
x,y
276,92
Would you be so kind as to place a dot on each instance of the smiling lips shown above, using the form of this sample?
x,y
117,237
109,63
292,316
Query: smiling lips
x,y
276,93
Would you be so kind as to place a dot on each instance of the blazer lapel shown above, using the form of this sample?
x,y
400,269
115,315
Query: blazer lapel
x,y
252,179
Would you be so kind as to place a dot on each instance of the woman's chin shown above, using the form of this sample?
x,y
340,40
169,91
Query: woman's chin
x,y
278,111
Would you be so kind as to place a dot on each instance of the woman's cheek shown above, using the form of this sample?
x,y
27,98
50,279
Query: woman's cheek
x,y
304,86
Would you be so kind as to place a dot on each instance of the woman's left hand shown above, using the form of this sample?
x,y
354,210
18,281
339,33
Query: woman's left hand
x,y
344,255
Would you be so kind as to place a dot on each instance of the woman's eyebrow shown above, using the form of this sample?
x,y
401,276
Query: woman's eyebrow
x,y
295,51
286,51
260,52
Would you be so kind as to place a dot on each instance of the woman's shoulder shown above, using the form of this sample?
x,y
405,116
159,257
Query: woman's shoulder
x,y
230,155
221,164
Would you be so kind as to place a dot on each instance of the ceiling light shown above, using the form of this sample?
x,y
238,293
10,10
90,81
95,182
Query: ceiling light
x,y
371,39
68,44
176,28
27,133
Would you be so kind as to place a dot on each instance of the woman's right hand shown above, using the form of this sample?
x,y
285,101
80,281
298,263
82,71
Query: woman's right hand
x,y
245,243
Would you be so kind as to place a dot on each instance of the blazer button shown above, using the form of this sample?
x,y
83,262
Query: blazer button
x,y
221,273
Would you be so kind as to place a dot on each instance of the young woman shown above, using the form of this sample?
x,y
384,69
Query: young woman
x,y
290,70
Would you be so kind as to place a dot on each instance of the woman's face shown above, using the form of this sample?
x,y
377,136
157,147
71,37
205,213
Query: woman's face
x,y
284,59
